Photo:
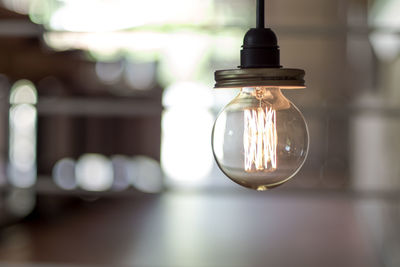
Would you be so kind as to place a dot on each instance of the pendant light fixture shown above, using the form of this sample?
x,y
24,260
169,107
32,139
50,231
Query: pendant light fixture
x,y
260,139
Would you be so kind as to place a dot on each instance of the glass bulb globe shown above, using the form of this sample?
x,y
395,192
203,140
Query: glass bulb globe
x,y
260,139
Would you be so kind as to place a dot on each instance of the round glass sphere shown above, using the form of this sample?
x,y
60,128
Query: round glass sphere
x,y
260,139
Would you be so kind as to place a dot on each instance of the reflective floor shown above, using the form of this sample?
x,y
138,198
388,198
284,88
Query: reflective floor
x,y
278,228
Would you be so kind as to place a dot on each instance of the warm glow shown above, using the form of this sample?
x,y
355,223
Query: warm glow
x,y
260,139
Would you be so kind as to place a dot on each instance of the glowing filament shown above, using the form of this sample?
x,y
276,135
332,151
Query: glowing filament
x,y
260,139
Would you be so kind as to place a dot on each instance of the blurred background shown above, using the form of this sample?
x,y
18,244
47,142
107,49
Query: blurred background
x,y
105,135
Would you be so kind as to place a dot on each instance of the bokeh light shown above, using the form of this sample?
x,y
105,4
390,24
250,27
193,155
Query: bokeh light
x,y
120,165
125,14
94,172
186,155
22,134
109,72
19,6
140,76
23,92
146,174
385,14
64,174
20,202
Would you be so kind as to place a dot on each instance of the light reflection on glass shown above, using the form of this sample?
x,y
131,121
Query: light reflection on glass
x,y
22,136
64,174
94,172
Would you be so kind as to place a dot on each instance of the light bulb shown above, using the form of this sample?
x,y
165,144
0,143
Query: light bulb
x,y
260,139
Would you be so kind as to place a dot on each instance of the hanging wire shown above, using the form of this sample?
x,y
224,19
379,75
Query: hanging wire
x,y
260,14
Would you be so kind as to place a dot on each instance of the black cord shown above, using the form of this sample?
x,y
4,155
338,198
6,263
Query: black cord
x,y
260,14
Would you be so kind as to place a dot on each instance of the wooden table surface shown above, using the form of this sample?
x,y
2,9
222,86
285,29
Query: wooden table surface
x,y
196,229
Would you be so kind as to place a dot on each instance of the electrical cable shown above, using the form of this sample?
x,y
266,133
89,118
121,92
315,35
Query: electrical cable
x,y
260,14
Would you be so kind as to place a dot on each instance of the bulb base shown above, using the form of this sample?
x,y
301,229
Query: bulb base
x,y
260,49
252,77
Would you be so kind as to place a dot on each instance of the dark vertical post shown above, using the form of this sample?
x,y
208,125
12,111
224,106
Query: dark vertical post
x,y
260,14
